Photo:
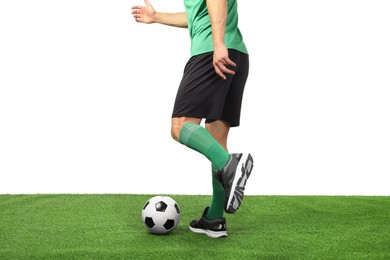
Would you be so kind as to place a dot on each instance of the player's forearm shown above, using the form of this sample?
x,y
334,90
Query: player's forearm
x,y
172,19
218,14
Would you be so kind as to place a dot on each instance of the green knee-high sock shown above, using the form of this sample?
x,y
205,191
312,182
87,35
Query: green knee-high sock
x,y
216,209
199,139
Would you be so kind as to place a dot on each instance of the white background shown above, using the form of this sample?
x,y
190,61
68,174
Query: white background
x,y
86,96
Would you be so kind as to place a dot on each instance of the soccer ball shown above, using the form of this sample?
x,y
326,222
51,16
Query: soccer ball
x,y
161,214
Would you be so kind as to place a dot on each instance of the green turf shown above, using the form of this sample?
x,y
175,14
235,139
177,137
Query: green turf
x,y
265,227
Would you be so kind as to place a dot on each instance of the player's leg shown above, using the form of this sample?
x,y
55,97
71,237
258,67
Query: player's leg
x,y
233,176
202,94
236,173
219,130
188,132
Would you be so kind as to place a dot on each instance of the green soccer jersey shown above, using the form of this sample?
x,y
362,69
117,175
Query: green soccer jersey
x,y
199,27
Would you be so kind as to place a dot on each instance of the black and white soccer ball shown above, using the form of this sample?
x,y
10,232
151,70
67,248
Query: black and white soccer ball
x,y
161,214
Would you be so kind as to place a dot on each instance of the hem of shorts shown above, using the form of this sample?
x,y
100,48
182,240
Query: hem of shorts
x,y
206,118
187,115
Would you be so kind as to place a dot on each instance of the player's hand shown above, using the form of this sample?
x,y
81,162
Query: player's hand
x,y
221,60
143,14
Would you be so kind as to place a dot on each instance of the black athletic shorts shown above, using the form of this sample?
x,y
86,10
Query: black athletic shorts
x,y
203,94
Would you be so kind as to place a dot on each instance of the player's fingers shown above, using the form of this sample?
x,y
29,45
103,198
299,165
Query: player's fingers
x,y
225,69
230,62
219,72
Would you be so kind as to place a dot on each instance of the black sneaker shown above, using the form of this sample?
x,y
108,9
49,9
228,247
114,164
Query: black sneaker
x,y
233,178
213,228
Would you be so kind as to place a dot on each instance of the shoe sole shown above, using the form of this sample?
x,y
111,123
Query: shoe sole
x,y
245,166
210,233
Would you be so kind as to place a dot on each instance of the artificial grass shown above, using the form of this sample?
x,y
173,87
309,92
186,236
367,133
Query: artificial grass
x,y
109,226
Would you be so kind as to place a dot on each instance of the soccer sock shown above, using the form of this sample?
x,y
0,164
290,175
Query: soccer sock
x,y
199,139
216,208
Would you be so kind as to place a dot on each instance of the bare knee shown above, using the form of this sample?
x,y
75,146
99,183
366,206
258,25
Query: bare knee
x,y
177,124
175,131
